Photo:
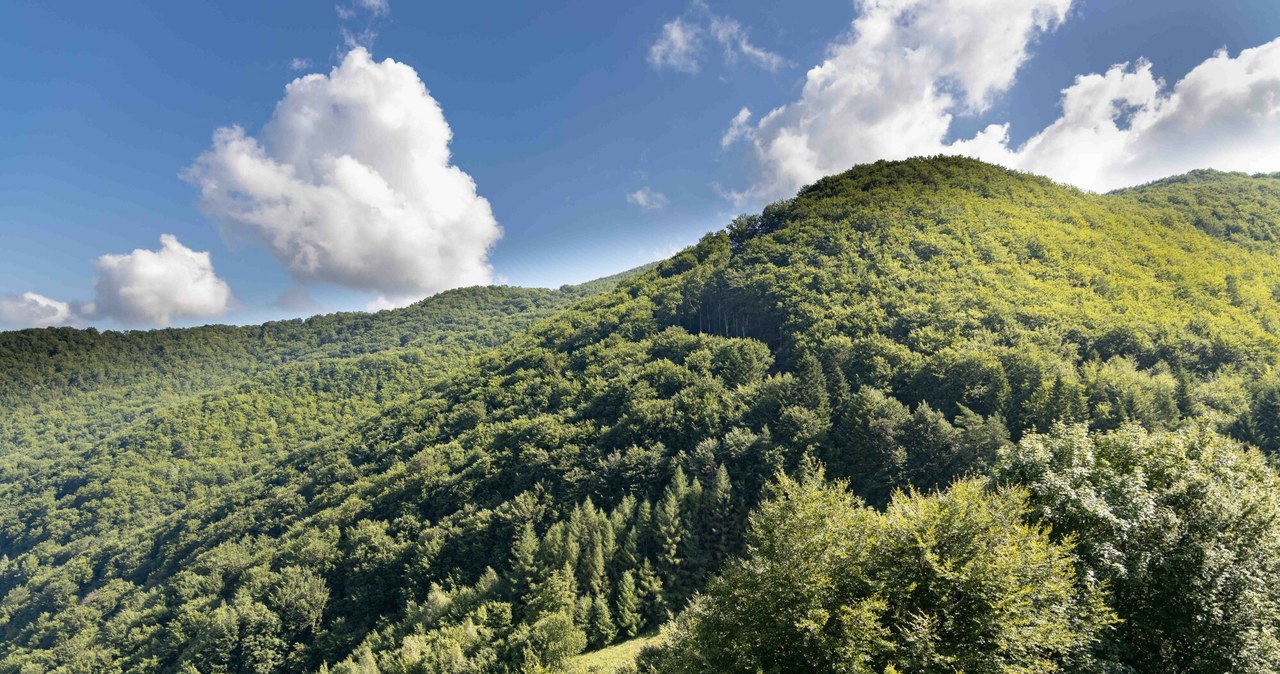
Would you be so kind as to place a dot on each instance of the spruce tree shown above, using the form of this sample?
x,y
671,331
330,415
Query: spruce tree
x,y
646,544
627,603
669,531
696,539
555,594
524,563
652,595
721,516
596,580
602,629
629,551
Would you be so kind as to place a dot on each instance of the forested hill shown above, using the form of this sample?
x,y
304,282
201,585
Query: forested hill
x,y
63,385
1064,390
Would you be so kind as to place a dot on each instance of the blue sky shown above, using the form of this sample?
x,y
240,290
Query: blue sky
x,y
557,114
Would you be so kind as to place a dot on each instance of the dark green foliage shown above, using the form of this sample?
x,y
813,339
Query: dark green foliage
x,y
469,483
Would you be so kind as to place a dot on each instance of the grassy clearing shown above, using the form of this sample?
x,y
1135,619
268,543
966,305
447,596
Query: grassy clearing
x,y
613,658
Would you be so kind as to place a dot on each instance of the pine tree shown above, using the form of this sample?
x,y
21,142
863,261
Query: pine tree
x,y
723,520
579,534
555,594
603,631
624,514
811,386
606,534
596,581
558,548
629,552
696,539
524,563
646,545
669,530
582,613
652,595
627,603
1263,420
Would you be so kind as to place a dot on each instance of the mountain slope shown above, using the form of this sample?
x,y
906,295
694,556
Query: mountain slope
x,y
901,323
65,385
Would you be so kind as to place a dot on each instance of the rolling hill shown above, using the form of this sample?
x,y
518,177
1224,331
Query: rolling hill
x,y
497,479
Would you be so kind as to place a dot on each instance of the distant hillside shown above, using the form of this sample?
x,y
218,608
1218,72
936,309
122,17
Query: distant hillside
x,y
1097,363
1234,206
67,385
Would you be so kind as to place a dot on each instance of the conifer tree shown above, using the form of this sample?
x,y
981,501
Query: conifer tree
x,y
596,580
811,386
695,544
582,613
555,594
524,563
652,595
603,630
669,530
721,516
646,544
629,551
627,603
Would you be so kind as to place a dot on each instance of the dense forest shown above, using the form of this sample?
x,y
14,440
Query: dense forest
x,y
926,416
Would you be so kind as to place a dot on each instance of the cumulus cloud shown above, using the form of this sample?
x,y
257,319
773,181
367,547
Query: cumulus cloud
x,y
351,182
143,288
681,43
648,200
890,88
299,64
32,310
1125,126
153,287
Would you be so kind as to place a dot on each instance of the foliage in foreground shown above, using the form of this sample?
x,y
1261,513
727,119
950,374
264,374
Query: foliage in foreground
x,y
1164,556
1183,528
954,581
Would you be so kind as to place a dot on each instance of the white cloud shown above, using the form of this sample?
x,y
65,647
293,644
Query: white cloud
x,y
356,11
889,90
739,127
142,288
677,47
299,64
681,43
149,287
373,7
1126,127
351,183
32,310
648,200
359,39
733,39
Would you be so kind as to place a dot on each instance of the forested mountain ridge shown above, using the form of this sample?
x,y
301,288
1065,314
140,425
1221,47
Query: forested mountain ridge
x,y
1090,367
51,373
